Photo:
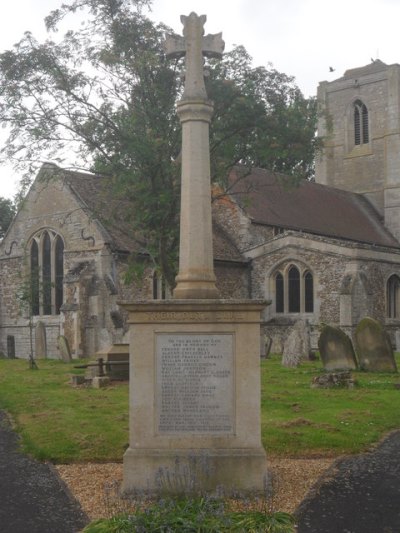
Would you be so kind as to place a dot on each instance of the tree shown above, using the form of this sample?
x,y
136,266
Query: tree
x,y
107,94
28,289
7,212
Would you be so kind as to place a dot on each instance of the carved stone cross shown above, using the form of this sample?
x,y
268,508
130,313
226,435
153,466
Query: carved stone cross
x,y
196,278
194,45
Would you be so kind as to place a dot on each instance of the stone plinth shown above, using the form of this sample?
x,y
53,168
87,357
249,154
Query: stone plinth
x,y
195,396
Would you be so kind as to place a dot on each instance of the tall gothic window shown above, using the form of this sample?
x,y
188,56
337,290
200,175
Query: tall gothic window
x,y
361,126
279,293
47,273
393,296
294,291
160,287
308,293
58,273
34,280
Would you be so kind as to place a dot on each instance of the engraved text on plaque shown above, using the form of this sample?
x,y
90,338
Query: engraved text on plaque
x,y
194,383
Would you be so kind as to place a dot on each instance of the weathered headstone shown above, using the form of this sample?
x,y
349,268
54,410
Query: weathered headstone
x,y
63,346
297,345
397,339
373,346
268,345
336,349
40,341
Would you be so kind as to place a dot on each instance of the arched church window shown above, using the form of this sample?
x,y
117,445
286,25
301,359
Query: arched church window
x,y
393,296
308,293
294,290
34,278
361,126
279,293
47,272
59,273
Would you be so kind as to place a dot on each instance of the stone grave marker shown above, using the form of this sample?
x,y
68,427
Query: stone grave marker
x,y
297,346
40,341
63,346
397,339
373,346
336,349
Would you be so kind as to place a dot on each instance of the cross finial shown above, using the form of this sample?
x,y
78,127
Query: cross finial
x,y
194,45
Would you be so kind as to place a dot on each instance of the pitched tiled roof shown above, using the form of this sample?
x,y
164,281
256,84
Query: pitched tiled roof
x,y
94,191
311,208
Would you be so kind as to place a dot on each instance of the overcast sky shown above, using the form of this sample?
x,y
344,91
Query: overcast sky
x,y
302,38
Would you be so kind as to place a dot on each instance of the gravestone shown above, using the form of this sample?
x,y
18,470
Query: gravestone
x,y
297,346
397,339
40,341
195,359
373,346
63,347
268,345
336,349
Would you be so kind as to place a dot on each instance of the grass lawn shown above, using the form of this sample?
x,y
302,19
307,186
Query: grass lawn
x,y
65,424
300,421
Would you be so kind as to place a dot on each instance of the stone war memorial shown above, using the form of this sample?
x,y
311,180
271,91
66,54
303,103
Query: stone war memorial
x,y
194,359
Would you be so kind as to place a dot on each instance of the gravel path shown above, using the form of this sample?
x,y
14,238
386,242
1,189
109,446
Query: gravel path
x,y
361,494
32,497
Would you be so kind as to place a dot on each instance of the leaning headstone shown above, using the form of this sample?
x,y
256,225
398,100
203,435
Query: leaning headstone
x,y
268,345
336,349
40,341
373,347
297,345
63,346
397,339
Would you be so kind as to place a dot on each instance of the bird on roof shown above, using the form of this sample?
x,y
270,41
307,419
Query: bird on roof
x,y
331,69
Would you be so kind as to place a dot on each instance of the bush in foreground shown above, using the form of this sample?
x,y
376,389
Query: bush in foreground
x,y
199,515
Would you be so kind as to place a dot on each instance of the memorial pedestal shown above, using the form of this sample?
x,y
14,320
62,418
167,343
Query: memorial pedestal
x,y
195,396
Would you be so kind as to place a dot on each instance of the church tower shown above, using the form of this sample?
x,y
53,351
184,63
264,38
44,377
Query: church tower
x,y
360,124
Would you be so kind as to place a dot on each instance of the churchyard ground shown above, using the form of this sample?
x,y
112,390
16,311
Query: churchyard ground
x,y
64,424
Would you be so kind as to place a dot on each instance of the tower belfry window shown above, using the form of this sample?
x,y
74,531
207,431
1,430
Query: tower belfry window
x,y
361,125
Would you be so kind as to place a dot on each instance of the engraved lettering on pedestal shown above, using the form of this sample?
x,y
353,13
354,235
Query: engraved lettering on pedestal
x,y
180,316
195,383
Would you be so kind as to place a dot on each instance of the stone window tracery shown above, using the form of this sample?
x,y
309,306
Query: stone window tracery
x,y
46,272
393,296
294,290
160,287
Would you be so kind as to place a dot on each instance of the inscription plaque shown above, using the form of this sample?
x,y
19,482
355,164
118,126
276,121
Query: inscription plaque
x,y
194,383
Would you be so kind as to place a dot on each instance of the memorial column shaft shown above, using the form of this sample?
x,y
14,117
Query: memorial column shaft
x,y
196,277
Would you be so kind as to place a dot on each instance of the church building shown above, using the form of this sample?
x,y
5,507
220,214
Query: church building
x,y
326,251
